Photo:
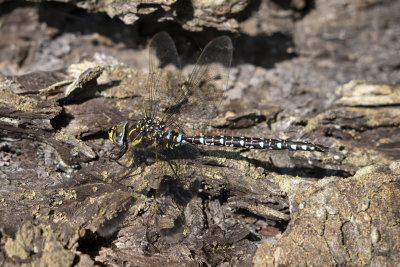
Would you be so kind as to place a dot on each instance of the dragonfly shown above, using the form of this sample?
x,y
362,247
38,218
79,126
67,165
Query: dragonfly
x,y
168,100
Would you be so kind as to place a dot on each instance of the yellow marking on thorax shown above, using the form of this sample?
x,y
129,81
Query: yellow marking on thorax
x,y
169,145
136,141
134,129
153,145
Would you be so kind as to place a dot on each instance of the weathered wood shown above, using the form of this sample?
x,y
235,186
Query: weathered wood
x,y
302,70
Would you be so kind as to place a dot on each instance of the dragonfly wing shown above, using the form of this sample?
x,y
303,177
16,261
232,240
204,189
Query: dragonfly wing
x,y
203,91
164,69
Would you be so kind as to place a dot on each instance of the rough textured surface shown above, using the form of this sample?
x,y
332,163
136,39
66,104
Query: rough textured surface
x,y
191,15
336,221
322,71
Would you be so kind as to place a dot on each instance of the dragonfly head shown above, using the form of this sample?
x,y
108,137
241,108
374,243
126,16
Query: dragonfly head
x,y
117,134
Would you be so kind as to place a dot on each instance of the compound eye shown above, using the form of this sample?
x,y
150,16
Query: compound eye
x,y
118,133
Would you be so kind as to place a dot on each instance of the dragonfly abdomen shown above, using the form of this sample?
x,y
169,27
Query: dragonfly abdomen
x,y
251,142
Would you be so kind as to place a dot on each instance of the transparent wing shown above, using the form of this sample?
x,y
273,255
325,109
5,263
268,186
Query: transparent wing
x,y
164,72
201,93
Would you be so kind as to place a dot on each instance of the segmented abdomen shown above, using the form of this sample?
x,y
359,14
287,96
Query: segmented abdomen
x,y
251,142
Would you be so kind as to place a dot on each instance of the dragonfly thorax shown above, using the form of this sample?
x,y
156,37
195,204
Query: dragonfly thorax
x,y
152,126
145,129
